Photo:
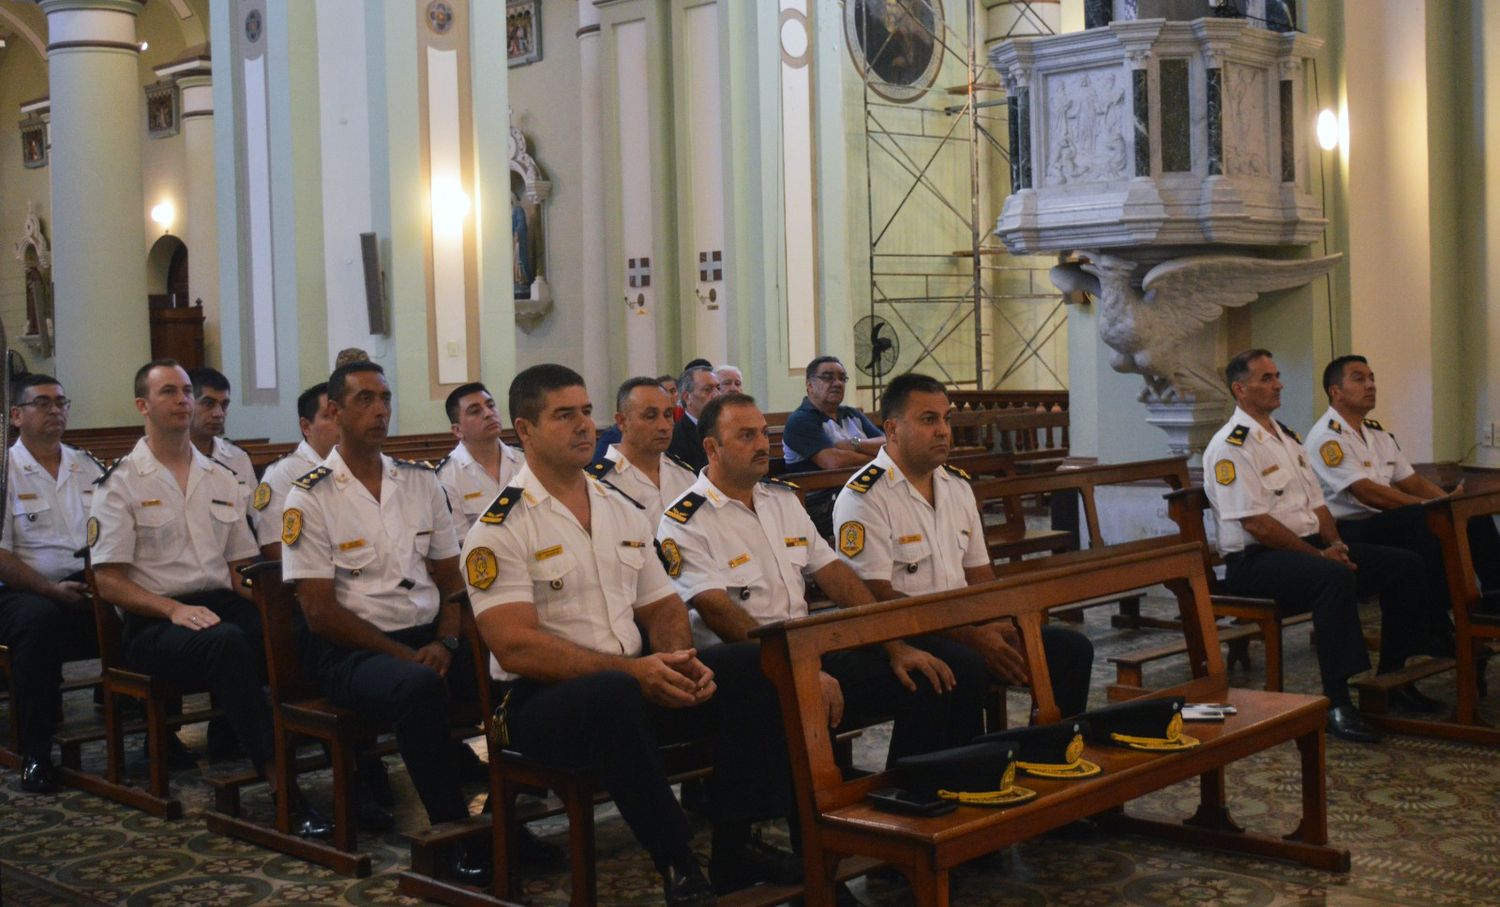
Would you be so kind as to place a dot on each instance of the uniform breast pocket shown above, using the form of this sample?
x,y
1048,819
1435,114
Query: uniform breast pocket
x,y
423,542
352,564
911,555
1275,483
746,580
554,583
155,531
32,518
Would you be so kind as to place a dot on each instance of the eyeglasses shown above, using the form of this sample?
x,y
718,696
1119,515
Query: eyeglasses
x,y
832,377
42,404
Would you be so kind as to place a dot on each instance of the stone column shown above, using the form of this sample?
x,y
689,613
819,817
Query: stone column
x,y
98,210
202,233
594,306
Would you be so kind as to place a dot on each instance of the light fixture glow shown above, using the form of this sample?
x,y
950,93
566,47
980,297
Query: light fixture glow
x,y
450,206
145,45
1328,130
163,215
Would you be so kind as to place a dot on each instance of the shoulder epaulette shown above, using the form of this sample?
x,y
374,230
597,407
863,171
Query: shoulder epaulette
x,y
600,467
108,469
500,507
96,461
225,465
962,474
1337,428
681,462
616,489
1371,423
686,506
776,482
864,481
233,445
415,464
1238,436
280,458
308,479
1288,429
443,462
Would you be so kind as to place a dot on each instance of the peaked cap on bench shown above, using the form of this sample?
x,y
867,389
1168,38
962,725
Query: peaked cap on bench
x,y
980,774
1143,724
1048,750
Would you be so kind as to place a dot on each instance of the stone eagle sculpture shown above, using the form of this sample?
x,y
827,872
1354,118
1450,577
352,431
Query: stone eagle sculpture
x,y
1149,326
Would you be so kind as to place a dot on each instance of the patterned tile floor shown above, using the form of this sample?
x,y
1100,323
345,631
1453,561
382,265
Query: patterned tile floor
x,y
1421,816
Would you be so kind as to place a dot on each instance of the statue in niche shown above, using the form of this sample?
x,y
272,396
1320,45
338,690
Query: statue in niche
x,y
35,254
523,251
528,227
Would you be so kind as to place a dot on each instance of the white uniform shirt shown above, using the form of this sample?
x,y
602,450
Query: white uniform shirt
x,y
375,552
1342,454
172,543
759,557
47,515
675,475
269,499
888,531
239,463
1248,471
584,584
470,488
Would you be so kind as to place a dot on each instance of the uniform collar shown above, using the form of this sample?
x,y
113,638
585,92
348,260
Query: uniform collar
x,y
1332,416
306,452
717,497
461,456
223,449
339,470
146,463
535,494
1257,431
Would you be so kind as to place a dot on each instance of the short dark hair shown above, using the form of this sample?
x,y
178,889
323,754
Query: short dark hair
x,y
708,420
143,371
32,379
698,363
663,379
1238,368
900,389
812,367
529,389
1334,373
209,379
631,384
338,382
307,401
460,392
686,382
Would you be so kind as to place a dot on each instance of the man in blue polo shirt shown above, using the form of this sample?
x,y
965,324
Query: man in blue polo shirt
x,y
822,433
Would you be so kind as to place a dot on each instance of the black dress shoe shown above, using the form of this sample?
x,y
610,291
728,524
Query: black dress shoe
x,y
374,781
309,823
179,757
1346,723
38,776
541,854
469,866
223,745
1410,699
687,888
754,863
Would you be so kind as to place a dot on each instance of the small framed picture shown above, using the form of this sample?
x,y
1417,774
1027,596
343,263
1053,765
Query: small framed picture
x,y
161,109
523,31
33,143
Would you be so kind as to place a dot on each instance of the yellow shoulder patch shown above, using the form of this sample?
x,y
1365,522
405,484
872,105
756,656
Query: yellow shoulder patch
x,y
262,496
852,538
291,526
671,558
1331,452
91,531
1224,472
481,568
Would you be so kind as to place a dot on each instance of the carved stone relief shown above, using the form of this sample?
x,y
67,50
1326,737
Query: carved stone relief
x,y
1245,123
1086,141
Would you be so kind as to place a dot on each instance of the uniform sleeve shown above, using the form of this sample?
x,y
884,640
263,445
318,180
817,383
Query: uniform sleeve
x,y
804,434
862,532
978,554
494,562
1336,466
1237,490
445,542
690,558
267,520
115,542
652,583
310,554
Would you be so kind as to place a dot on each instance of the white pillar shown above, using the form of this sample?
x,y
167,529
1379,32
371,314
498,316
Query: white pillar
x,y
595,305
202,234
98,211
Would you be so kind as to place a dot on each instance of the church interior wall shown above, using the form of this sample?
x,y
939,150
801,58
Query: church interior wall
x,y
23,77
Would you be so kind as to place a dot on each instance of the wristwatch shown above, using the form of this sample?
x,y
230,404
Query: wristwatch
x,y
856,442
449,642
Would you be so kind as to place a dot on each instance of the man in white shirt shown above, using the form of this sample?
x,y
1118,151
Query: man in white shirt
x,y
909,525
482,464
319,433
639,465
1279,541
44,609
210,410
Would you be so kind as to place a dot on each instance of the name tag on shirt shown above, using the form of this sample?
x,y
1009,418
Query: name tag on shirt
x,y
473,494
350,546
909,539
26,497
631,543
154,502
742,559
545,553
1270,469
797,542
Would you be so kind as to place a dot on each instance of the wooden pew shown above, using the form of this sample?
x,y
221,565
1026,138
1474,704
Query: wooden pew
x,y
837,823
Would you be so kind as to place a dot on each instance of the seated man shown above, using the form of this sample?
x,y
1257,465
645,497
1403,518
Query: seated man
x,y
639,465
1375,494
166,532
823,433
45,614
210,410
909,525
1279,541
482,464
564,584
369,542
698,386
731,379
319,434
739,549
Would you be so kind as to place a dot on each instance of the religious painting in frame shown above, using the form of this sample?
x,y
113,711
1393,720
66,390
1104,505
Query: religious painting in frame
x,y
33,143
897,45
161,110
523,31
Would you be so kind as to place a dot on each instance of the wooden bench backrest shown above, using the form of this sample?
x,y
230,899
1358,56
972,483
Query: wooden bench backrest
x,y
1012,430
1188,507
792,651
277,603
1448,518
988,464
1171,470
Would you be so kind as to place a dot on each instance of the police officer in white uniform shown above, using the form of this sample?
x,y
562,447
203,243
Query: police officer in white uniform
x,y
482,464
595,657
909,525
210,409
639,464
1279,541
166,531
739,547
369,542
44,612
1376,495
319,434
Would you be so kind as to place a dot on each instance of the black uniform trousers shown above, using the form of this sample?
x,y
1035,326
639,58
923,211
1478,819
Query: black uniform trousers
x,y
1406,527
1301,582
413,698
603,723
40,634
227,659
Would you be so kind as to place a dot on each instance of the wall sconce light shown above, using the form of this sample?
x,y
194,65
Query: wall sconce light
x,y
1328,130
163,215
450,206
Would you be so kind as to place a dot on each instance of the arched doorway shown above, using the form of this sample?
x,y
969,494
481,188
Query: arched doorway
x,y
176,322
